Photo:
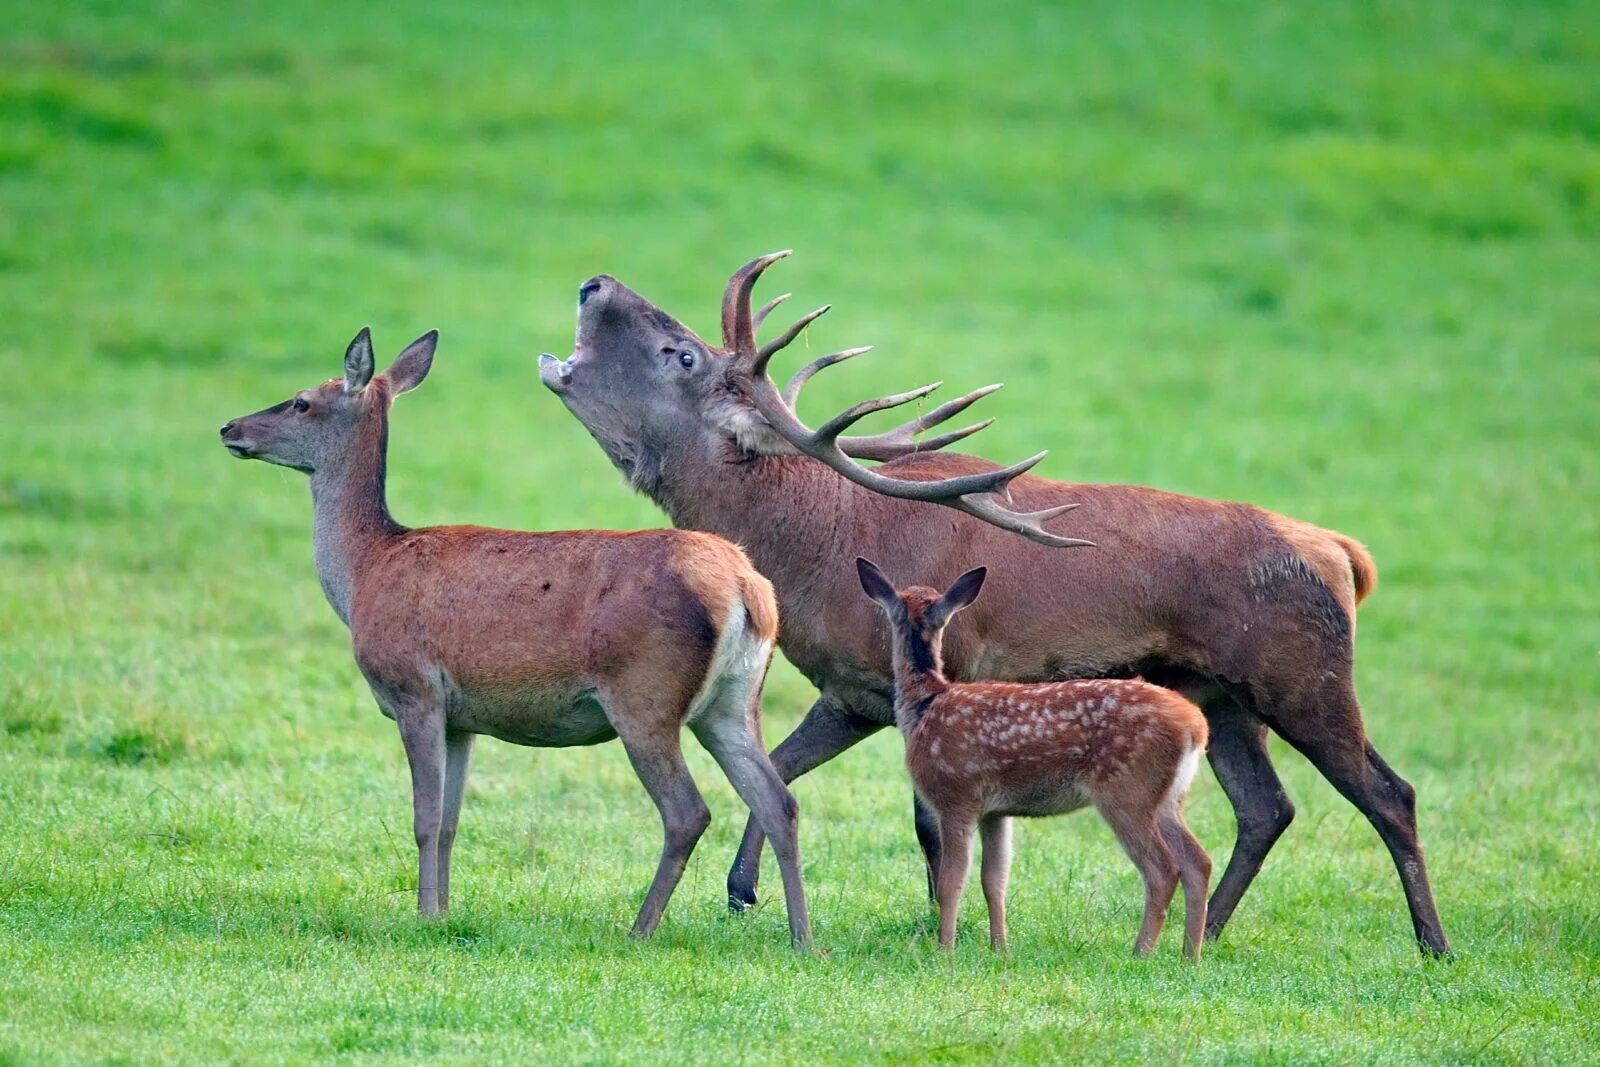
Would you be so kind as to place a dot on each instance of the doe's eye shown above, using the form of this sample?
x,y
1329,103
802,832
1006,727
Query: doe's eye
x,y
300,405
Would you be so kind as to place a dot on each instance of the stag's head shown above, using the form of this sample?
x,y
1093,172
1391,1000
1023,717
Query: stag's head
x,y
646,386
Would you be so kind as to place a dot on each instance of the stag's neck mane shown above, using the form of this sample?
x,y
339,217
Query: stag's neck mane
x,y
789,512
349,507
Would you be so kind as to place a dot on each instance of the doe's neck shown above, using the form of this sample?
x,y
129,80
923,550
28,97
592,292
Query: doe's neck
x,y
349,509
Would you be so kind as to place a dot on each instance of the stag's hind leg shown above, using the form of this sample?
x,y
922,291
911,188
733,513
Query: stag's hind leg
x,y
1262,810
1326,726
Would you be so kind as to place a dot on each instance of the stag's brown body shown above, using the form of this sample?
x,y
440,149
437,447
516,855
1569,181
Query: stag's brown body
x,y
1248,613
541,639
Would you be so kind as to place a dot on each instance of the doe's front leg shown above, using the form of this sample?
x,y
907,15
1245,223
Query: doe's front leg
x,y
422,732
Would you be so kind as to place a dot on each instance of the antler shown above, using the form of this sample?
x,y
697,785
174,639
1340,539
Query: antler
x,y
970,493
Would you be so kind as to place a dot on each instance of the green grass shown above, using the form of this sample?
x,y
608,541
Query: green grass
x,y
1341,262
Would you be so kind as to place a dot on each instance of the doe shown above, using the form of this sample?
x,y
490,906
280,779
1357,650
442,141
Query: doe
x,y
541,639
982,752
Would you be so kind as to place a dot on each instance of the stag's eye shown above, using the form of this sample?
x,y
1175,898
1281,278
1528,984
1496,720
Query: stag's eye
x,y
300,405
686,357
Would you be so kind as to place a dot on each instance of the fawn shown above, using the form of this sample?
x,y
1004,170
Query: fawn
x,y
540,639
982,752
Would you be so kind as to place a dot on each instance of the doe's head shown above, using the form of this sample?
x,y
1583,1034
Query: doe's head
x,y
917,613
315,427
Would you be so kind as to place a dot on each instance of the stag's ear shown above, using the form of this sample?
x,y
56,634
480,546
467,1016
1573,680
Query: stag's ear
x,y
411,366
875,584
962,593
358,362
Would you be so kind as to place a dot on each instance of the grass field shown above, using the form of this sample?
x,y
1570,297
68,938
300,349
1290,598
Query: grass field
x,y
1341,262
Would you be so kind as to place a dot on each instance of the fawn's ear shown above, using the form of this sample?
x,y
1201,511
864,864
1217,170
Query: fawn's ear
x,y
411,366
358,362
963,592
875,584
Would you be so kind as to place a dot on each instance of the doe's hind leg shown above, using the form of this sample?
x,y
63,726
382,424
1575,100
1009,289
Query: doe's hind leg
x,y
732,734
657,757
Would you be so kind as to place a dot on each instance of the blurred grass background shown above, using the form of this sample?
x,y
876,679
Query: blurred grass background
x,y
1338,261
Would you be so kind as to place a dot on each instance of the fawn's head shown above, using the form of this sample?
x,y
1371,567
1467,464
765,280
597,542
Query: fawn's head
x,y
917,614
314,428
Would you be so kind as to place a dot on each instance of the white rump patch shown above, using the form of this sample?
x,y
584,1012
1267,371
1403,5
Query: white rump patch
x,y
1187,767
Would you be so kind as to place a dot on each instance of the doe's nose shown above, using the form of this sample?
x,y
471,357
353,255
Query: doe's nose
x,y
226,427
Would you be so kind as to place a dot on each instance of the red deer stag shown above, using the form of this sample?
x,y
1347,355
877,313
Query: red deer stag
x,y
541,639
1248,613
980,753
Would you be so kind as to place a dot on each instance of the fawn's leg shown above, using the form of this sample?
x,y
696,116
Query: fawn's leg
x,y
955,858
995,831
1194,870
1141,839
457,758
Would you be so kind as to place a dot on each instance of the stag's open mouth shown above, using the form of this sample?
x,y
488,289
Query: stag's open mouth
x,y
238,451
556,374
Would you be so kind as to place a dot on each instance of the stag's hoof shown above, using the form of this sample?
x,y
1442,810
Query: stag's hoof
x,y
741,899
1441,951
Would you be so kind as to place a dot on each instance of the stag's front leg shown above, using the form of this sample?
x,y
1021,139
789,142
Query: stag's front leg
x,y
827,730
927,824
422,732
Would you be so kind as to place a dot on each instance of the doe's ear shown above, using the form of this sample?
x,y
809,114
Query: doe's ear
x,y
412,365
961,593
875,583
358,364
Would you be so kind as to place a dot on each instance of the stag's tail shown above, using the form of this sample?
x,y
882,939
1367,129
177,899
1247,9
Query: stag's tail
x,y
1362,569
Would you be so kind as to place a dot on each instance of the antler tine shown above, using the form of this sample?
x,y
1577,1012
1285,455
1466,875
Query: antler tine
x,y
766,309
782,340
893,445
841,422
902,440
791,392
1028,524
973,494
738,325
